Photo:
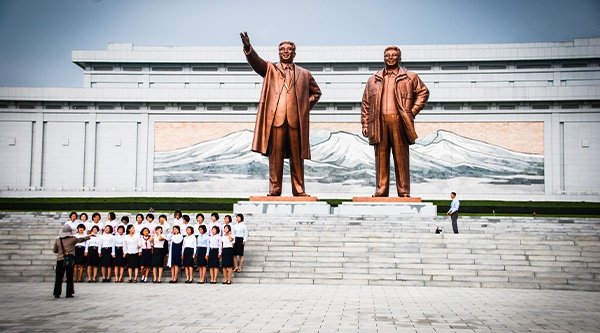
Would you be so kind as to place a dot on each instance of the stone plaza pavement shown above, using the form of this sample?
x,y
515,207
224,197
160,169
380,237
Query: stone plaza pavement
x,y
101,307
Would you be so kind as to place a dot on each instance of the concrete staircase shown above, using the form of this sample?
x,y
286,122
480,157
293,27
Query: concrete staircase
x,y
540,253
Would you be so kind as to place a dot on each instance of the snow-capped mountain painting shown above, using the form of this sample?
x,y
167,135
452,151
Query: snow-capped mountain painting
x,y
343,160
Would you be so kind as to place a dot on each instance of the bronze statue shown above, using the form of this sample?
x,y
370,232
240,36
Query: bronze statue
x,y
391,100
288,94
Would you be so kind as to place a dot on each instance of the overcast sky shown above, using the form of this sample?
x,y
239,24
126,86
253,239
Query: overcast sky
x,y
37,36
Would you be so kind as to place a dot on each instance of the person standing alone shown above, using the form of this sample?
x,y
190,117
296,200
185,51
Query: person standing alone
x,y
453,212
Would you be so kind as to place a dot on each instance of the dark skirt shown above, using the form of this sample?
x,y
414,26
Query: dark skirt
x,y
158,257
238,246
119,260
176,254
146,258
93,259
79,255
201,257
213,258
106,259
133,260
188,257
227,257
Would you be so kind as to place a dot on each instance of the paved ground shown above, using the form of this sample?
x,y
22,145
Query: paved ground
x,y
30,307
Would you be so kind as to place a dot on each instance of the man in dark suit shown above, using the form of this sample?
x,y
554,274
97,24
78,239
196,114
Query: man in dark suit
x,y
288,94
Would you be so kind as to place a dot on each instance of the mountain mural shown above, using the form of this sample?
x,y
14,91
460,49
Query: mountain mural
x,y
347,158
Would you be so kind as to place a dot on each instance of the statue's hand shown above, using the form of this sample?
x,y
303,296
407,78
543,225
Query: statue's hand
x,y
245,40
365,132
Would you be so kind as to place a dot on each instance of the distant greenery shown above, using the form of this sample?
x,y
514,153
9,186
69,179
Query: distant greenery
x,y
467,207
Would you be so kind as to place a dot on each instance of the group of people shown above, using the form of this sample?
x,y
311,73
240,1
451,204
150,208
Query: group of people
x,y
143,248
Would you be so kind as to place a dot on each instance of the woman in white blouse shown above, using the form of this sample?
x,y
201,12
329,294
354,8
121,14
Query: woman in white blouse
x,y
214,253
119,261
132,253
158,254
240,233
189,254
107,252
227,241
91,254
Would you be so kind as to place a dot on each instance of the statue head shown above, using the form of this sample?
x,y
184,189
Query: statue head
x,y
392,56
287,52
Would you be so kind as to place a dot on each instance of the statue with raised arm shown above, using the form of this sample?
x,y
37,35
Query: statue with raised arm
x,y
281,131
391,100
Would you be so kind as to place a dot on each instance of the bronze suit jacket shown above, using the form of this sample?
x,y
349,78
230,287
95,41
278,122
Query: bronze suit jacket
x,y
307,94
411,97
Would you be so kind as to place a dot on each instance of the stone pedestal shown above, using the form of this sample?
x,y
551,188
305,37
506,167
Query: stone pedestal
x,y
386,206
259,205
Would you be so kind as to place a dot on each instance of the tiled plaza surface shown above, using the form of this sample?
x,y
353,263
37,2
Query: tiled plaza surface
x,y
103,307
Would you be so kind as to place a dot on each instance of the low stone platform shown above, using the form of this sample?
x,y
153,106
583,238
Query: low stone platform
x,y
282,206
398,207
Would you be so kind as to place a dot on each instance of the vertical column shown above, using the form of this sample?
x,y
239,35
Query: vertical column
x,y
89,173
37,151
149,174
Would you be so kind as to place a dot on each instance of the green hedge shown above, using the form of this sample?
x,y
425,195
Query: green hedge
x,y
226,204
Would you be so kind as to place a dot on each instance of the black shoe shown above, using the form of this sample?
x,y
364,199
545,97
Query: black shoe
x,y
56,296
70,296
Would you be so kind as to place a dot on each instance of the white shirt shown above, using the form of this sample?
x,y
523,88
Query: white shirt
x,y
214,242
119,240
226,242
454,205
166,227
158,242
93,241
151,226
240,230
113,224
190,242
131,245
72,225
82,244
175,238
100,227
88,225
145,243
107,241
184,226
211,224
139,226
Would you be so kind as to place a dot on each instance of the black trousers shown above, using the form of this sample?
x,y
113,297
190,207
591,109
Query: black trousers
x,y
454,218
60,273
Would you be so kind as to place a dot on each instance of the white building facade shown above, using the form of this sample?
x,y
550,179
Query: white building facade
x,y
504,121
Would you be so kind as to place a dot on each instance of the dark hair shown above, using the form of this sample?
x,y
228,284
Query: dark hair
x,y
163,216
200,214
216,215
96,214
138,215
217,228
453,193
125,218
227,217
72,214
81,215
112,215
288,42
186,218
203,227
81,225
142,231
121,227
158,227
177,212
227,226
241,216
150,215
109,226
177,227
97,228
189,228
129,227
